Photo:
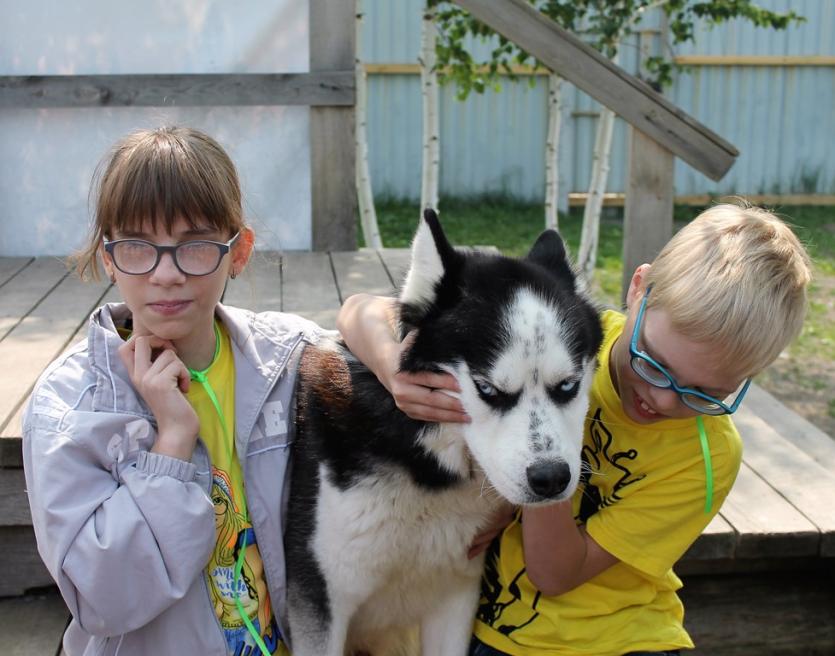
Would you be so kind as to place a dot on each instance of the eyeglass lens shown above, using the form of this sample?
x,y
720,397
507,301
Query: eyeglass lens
x,y
194,258
654,376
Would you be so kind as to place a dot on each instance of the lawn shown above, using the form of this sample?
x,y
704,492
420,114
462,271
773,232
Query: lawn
x,y
803,377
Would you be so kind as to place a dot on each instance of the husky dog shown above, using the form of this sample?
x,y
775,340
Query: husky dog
x,y
382,507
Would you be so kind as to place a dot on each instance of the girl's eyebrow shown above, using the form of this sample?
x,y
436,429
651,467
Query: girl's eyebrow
x,y
199,233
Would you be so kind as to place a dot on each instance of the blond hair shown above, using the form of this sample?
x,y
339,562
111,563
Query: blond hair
x,y
734,277
159,176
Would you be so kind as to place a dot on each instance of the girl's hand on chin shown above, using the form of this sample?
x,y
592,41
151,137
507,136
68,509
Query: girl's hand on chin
x,y
161,379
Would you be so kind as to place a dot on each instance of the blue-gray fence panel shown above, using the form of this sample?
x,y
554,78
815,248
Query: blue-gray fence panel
x,y
782,119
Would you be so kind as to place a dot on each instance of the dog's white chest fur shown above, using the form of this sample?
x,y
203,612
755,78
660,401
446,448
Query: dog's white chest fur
x,y
393,549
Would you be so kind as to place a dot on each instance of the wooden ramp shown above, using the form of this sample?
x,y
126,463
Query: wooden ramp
x,y
761,579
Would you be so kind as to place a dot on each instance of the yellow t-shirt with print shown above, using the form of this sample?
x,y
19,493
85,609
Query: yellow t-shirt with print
x,y
232,524
642,498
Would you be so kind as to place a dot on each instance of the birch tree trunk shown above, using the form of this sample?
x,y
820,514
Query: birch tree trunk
x,y
552,143
365,196
429,90
589,237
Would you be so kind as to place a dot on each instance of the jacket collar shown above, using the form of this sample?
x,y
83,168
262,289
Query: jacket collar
x,y
261,348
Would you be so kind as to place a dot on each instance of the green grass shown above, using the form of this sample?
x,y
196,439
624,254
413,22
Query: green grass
x,y
512,226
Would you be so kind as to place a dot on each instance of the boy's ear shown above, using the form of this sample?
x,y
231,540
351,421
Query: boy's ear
x,y
549,252
637,285
242,250
432,257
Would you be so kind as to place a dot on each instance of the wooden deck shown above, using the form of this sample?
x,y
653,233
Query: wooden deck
x,y
771,551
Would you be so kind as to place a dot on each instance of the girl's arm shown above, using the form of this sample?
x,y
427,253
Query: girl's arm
x,y
367,324
559,555
122,545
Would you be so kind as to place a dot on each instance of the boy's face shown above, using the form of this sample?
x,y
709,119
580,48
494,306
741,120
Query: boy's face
x,y
692,364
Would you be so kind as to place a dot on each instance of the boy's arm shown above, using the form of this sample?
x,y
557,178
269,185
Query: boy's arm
x,y
367,324
559,555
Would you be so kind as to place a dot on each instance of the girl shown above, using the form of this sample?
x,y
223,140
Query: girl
x,y
155,451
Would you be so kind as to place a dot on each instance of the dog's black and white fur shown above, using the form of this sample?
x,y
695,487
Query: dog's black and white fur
x,y
382,507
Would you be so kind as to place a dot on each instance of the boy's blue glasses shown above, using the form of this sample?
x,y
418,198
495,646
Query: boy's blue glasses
x,y
658,376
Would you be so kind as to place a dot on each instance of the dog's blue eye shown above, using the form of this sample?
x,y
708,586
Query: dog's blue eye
x,y
564,391
569,386
485,388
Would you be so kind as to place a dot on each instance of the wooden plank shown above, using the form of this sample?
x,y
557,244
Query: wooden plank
x,y
23,568
405,68
804,483
309,287
11,266
791,426
648,214
332,149
590,71
329,87
333,192
767,524
40,337
755,60
360,271
33,624
786,613
259,287
23,292
717,541
10,435
397,262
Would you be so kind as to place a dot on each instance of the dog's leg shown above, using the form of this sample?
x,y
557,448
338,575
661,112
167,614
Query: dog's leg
x,y
312,634
446,629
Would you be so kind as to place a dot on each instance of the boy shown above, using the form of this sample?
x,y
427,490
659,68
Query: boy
x,y
593,575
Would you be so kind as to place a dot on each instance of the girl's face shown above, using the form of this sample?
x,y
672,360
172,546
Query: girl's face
x,y
168,303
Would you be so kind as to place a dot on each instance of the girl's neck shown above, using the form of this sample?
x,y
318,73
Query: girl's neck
x,y
197,350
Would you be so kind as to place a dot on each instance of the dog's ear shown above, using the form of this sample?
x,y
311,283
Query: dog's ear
x,y
432,258
549,252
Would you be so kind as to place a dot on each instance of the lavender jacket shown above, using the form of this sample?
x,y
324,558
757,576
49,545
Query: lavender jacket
x,y
127,533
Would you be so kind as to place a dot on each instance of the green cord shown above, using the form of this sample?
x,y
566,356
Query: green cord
x,y
244,615
708,468
202,378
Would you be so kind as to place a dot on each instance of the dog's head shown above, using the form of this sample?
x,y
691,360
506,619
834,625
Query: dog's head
x,y
522,339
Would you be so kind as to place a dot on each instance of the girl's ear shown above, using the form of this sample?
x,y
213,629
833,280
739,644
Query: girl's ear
x,y
242,250
107,263
637,285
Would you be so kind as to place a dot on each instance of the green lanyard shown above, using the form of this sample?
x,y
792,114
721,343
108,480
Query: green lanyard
x,y
202,378
708,467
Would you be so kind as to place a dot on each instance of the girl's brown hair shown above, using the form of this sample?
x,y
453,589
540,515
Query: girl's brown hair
x,y
160,176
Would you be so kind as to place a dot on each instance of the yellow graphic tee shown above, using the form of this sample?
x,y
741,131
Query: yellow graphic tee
x,y
233,529
642,498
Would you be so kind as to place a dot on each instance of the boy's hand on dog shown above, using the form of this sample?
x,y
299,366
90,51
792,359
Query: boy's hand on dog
x,y
161,379
421,395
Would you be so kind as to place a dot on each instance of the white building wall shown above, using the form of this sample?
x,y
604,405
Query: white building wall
x,y
48,156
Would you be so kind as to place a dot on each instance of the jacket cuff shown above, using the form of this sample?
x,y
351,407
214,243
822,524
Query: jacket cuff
x,y
162,465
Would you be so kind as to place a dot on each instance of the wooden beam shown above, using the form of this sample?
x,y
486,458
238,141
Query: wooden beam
x,y
755,60
590,71
648,209
406,68
331,87
333,193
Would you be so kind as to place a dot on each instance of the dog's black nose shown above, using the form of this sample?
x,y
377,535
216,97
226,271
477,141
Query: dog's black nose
x,y
548,478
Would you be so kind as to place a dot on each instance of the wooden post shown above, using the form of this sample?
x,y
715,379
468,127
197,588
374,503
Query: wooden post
x,y
648,210
332,165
